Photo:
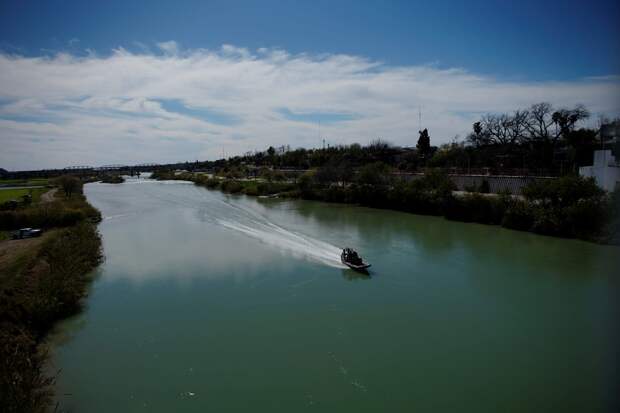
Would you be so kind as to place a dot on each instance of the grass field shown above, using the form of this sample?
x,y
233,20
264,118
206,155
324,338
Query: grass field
x,y
25,182
8,194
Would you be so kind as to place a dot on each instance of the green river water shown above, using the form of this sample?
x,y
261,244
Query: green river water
x,y
208,302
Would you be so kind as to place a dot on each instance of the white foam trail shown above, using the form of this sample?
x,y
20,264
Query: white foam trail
x,y
299,245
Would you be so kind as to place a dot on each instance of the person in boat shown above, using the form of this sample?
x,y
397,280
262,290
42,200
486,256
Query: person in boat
x,y
351,256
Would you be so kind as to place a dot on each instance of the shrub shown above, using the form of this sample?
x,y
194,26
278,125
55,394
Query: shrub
x,y
306,183
374,174
612,230
162,175
50,287
570,206
562,192
547,221
586,219
112,179
475,208
519,216
43,216
23,384
233,187
212,183
485,188
251,190
335,194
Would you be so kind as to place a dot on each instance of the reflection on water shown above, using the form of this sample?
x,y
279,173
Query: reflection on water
x,y
213,302
351,275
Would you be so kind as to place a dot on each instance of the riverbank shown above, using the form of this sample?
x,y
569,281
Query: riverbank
x,y
569,207
42,280
112,179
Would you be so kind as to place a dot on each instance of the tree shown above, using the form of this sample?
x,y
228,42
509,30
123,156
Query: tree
x,y
380,150
306,182
327,174
424,142
479,136
271,151
539,121
504,129
376,173
566,119
69,184
583,143
477,127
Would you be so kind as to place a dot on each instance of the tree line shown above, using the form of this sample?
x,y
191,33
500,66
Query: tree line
x,y
538,140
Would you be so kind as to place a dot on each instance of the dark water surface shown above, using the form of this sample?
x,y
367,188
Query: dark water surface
x,y
212,302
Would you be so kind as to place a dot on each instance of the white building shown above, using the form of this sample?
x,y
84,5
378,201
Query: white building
x,y
605,171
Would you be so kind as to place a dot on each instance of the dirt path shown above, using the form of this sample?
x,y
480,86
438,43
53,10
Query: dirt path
x,y
17,253
49,195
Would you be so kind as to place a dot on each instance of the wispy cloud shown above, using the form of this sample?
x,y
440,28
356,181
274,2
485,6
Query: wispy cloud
x,y
170,47
178,104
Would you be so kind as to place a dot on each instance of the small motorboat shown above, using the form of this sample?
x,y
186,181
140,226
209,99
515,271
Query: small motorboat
x,y
351,259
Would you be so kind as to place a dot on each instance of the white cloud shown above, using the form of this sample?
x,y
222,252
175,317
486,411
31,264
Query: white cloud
x,y
67,110
170,47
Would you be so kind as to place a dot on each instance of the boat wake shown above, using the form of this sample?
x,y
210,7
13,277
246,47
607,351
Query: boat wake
x,y
297,244
240,219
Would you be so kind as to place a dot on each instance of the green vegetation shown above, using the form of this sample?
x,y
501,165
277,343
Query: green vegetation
x,y
17,194
59,213
69,184
24,182
233,186
63,210
570,206
539,140
112,179
42,280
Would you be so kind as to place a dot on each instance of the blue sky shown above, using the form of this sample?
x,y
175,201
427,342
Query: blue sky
x,y
526,39
152,81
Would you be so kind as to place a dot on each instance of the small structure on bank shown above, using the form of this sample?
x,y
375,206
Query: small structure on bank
x,y
605,170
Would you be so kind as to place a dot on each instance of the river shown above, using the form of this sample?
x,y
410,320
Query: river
x,y
215,302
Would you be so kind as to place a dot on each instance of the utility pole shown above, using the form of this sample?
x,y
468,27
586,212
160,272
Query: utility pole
x,y
419,118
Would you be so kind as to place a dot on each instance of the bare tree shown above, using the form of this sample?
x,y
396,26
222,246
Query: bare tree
x,y
548,125
498,128
540,121
501,129
518,127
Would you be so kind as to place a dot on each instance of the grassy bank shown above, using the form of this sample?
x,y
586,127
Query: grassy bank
x,y
112,179
24,182
571,206
42,280
61,211
9,194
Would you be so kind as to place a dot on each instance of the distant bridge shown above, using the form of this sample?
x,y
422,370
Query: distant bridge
x,y
86,170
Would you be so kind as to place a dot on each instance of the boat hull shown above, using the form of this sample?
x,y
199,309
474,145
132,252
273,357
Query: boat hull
x,y
361,267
